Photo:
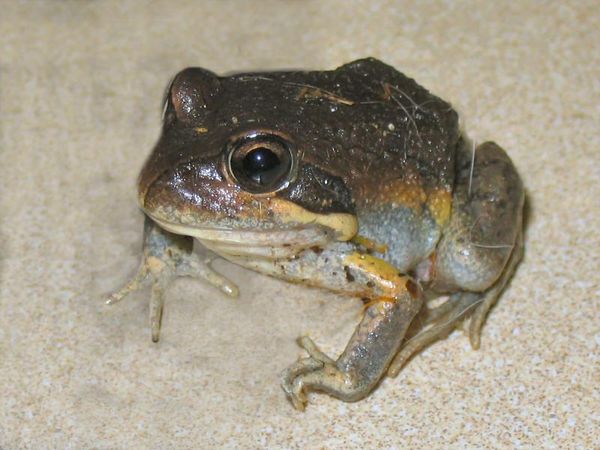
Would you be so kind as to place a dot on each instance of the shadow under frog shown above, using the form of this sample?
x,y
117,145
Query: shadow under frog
x,y
355,180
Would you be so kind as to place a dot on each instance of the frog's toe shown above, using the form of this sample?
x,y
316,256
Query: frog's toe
x,y
291,380
195,267
311,348
157,302
310,374
294,378
482,308
150,271
491,296
319,372
137,282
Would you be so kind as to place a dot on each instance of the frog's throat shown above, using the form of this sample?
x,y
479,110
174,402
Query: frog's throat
x,y
270,244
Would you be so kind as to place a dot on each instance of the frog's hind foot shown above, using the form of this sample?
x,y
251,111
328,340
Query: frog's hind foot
x,y
491,296
293,379
439,323
168,256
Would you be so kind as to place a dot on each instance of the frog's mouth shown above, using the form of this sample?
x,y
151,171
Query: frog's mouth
x,y
268,244
234,223
196,200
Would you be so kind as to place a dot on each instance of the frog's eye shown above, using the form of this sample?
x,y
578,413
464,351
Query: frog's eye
x,y
261,163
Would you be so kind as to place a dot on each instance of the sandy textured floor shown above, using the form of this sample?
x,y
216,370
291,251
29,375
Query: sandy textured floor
x,y
80,91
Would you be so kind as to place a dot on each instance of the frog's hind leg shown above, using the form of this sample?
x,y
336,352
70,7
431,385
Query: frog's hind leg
x,y
442,320
167,256
491,296
479,250
447,317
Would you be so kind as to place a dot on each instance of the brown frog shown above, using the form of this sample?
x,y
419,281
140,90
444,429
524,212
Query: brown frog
x,y
355,180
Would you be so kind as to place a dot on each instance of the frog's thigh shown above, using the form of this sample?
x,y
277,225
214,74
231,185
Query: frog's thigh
x,y
482,243
485,222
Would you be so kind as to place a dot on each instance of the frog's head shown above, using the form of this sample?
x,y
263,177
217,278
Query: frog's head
x,y
230,168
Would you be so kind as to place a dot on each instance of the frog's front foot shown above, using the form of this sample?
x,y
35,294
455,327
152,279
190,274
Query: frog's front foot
x,y
364,361
167,256
318,372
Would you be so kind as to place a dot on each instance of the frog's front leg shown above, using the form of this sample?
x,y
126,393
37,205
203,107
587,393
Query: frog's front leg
x,y
394,300
167,256
364,361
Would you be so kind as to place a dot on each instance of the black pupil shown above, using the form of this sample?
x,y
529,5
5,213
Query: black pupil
x,y
261,165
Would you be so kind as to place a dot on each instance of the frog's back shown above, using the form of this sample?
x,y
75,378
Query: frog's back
x,y
364,120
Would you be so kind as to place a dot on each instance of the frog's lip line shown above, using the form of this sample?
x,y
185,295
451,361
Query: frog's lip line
x,y
270,252
294,238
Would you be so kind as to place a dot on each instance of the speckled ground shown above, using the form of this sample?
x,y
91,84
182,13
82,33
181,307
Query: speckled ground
x,y
80,91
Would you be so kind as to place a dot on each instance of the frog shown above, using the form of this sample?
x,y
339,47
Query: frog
x,y
357,181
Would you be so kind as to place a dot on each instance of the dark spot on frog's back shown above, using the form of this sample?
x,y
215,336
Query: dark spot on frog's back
x,y
349,276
